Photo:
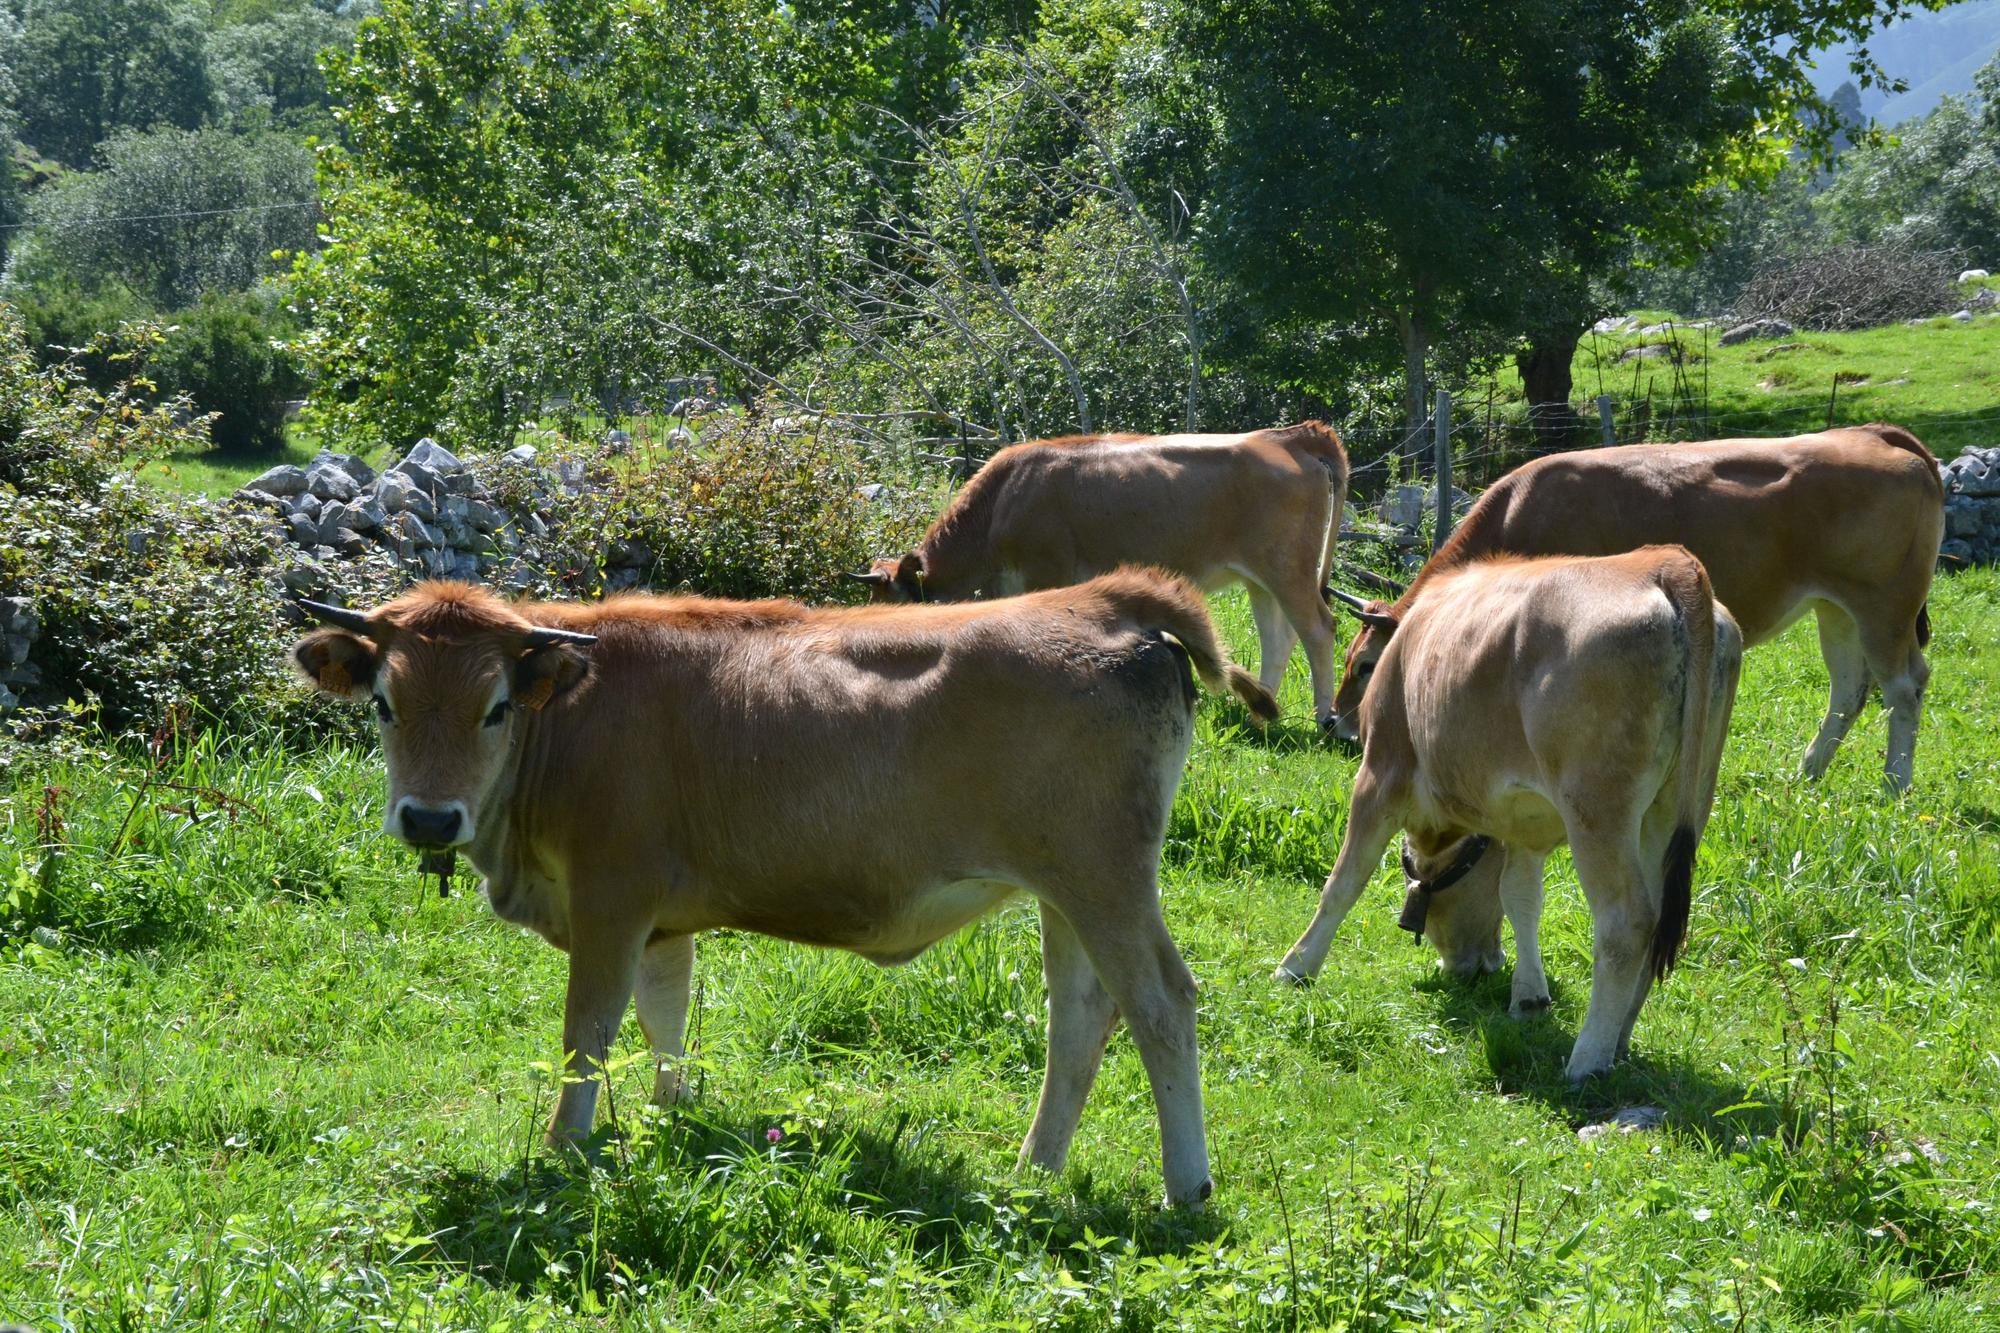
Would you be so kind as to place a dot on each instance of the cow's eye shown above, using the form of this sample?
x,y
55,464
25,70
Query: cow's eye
x,y
498,713
382,710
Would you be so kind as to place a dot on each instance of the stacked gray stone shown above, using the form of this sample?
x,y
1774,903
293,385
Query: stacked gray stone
x,y
429,512
19,628
1972,508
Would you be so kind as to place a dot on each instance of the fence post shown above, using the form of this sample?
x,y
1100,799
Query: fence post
x,y
1604,417
1441,446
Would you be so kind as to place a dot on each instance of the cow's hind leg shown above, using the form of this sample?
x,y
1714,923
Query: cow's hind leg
x,y
1369,828
1624,914
1311,620
666,976
1275,637
1847,672
1898,663
1521,899
1144,975
1081,1017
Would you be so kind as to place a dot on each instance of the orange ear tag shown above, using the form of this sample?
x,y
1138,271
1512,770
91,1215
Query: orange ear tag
x,y
333,678
537,694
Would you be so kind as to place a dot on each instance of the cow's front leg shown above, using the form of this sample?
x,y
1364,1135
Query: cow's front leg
x,y
666,977
603,964
1521,899
1369,829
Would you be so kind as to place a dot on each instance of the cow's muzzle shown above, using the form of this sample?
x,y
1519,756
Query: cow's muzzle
x,y
432,826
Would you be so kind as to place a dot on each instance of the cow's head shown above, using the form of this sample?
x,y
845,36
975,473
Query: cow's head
x,y
895,578
1461,919
1378,623
447,668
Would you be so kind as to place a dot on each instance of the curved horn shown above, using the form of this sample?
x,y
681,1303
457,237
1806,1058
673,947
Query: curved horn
x,y
1360,611
872,578
539,637
340,617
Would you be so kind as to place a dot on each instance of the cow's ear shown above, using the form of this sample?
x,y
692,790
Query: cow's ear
x,y
338,662
909,576
543,673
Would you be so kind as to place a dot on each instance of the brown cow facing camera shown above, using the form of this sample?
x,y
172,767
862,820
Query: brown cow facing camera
x,y
628,774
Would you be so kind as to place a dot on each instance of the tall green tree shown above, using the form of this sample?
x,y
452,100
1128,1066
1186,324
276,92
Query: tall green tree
x,y
1485,168
169,216
84,68
577,199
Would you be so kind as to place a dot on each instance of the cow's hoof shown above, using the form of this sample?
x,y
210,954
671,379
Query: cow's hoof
x,y
1533,1007
1584,1073
1284,976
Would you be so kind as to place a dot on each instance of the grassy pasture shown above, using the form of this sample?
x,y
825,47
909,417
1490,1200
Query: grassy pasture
x,y
253,1074
1940,377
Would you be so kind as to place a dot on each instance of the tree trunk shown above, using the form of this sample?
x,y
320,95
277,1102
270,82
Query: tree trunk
x,y
1416,350
1545,380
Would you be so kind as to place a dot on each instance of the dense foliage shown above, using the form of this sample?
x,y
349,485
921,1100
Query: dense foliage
x,y
162,155
151,605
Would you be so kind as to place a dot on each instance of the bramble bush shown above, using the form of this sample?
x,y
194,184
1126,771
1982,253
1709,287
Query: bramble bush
x,y
152,605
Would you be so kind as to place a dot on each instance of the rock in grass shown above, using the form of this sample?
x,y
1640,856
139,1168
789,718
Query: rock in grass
x,y
1631,1120
282,481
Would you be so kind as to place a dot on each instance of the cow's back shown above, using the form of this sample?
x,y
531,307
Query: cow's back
x,y
1510,673
804,780
1185,503
1774,521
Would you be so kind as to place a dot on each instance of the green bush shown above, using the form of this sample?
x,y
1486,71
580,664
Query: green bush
x,y
153,606
230,355
752,512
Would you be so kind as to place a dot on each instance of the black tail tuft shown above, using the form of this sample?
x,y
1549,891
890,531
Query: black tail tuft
x,y
1924,625
1677,893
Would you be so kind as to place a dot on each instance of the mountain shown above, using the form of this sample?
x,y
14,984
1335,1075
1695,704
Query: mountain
x,y
1934,53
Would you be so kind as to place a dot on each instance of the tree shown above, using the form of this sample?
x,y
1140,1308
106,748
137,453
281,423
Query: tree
x,y
84,68
269,68
170,215
1487,168
540,203
1934,186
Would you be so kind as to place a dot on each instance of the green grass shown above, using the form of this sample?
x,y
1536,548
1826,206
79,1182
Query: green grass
x,y
1939,378
254,1074
213,472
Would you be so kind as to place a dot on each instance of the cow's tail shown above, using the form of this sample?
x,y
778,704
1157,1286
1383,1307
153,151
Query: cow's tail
x,y
1924,625
1694,603
1171,604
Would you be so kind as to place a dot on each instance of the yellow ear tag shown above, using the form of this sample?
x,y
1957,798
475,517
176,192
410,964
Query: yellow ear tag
x,y
537,694
333,678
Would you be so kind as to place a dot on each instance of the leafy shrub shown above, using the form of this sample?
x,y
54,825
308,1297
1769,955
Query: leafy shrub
x,y
230,356
753,511
152,605
68,324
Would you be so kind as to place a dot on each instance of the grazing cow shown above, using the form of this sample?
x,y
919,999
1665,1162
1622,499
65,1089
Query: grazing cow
x,y
628,774
1261,509
1528,702
1843,522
